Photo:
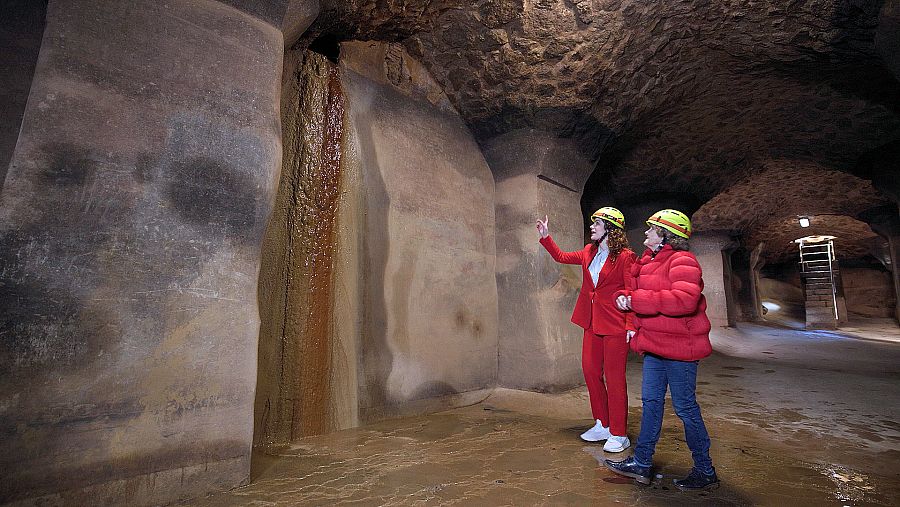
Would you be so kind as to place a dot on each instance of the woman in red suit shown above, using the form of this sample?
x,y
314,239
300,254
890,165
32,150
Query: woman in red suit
x,y
605,262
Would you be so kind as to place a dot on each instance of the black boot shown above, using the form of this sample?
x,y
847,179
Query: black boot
x,y
695,481
629,468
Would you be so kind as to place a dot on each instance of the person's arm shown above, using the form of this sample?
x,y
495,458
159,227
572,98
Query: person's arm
x,y
680,299
552,248
628,261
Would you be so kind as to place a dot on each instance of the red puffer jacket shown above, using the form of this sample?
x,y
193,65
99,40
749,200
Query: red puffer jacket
x,y
670,310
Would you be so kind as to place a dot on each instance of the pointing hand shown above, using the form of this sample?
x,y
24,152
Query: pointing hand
x,y
542,228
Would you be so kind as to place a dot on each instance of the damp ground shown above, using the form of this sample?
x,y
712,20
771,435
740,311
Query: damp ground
x,y
794,420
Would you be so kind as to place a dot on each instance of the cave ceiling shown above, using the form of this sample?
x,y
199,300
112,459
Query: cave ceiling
x,y
765,208
717,100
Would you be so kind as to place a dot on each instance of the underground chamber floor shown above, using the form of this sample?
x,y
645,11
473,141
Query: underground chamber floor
x,y
782,434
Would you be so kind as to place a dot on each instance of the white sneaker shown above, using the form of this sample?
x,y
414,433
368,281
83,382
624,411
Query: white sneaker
x,y
616,444
597,433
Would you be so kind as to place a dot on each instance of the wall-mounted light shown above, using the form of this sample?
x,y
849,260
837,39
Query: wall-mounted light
x,y
804,221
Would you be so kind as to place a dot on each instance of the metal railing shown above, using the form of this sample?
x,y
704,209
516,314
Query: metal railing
x,y
817,263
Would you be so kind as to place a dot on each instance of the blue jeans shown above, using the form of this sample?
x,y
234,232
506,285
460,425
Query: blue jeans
x,y
681,378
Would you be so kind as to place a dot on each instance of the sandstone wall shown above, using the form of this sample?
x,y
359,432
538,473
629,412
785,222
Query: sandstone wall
x,y
869,292
776,289
537,174
427,323
130,229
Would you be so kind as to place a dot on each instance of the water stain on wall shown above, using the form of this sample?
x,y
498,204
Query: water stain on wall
x,y
205,192
68,165
296,276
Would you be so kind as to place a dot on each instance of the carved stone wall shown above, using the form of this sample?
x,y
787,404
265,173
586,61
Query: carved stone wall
x,y
130,231
427,325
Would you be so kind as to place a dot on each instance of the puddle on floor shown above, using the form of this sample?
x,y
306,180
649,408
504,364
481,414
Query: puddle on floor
x,y
471,456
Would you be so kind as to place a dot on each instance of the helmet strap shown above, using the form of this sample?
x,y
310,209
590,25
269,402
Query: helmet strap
x,y
606,227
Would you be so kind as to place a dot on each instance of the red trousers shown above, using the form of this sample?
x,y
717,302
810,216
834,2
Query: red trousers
x,y
604,356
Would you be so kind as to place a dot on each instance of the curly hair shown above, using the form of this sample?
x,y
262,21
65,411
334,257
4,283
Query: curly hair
x,y
677,242
615,239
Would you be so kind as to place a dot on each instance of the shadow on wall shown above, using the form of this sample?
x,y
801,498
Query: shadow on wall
x,y
20,42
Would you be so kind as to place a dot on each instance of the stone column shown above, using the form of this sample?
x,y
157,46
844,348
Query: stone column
x,y
894,245
130,232
537,174
756,265
730,296
708,248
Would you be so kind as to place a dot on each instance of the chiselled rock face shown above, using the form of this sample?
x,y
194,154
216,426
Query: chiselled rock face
x,y
688,98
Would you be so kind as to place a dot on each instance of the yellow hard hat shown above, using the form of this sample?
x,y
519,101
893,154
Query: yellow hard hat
x,y
672,220
611,215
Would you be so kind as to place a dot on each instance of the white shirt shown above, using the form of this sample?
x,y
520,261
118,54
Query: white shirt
x,y
597,264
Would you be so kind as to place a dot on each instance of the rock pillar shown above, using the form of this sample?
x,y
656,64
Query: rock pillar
x,y
888,226
894,243
756,264
709,247
536,175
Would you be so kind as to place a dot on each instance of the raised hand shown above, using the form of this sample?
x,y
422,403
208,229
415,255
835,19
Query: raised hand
x,y
542,228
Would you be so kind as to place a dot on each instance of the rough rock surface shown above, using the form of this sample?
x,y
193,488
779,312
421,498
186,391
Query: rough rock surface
x,y
683,98
766,206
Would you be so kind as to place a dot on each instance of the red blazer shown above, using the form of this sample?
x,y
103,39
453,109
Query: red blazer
x,y
596,307
669,307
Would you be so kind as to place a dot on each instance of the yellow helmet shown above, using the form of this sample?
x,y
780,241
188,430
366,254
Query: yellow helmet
x,y
611,215
672,220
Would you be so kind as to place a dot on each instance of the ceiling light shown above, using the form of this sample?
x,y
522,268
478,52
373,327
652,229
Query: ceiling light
x,y
804,221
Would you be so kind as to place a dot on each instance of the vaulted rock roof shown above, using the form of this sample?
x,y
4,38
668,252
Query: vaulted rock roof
x,y
715,100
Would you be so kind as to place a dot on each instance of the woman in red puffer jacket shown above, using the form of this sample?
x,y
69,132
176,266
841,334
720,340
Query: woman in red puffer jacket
x,y
673,335
669,306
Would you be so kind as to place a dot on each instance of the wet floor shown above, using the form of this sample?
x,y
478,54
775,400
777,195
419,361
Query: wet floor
x,y
783,434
